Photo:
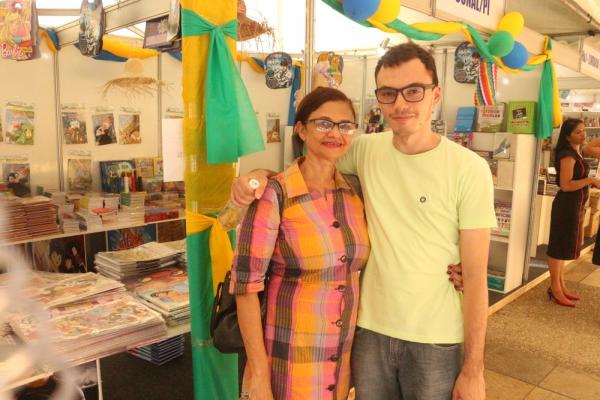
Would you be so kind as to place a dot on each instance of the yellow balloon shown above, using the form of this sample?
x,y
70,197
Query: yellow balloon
x,y
512,23
387,12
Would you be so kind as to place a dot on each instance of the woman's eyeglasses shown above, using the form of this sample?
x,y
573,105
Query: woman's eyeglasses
x,y
325,126
412,93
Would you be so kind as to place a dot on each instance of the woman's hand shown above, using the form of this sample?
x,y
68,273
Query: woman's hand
x,y
455,276
242,194
595,182
260,387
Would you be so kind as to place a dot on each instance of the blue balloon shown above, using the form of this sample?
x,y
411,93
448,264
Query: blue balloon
x,y
359,10
517,57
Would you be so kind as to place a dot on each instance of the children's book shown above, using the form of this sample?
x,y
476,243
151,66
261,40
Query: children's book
x,y
521,117
19,124
91,25
17,179
104,128
17,20
490,118
110,174
465,119
74,126
144,167
122,239
79,175
129,129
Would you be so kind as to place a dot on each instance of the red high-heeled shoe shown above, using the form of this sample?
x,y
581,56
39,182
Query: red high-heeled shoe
x,y
557,301
571,296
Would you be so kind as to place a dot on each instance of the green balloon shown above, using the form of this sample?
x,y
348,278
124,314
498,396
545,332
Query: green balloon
x,y
501,43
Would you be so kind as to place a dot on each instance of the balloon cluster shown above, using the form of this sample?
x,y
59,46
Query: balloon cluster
x,y
383,11
503,44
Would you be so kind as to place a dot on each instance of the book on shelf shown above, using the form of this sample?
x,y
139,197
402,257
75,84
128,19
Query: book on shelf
x,y
521,117
503,216
465,139
465,119
111,172
490,118
495,280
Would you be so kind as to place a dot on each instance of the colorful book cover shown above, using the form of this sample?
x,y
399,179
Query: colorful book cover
x,y
79,175
74,127
66,255
16,24
490,118
463,138
144,167
122,239
373,118
466,63
157,279
19,124
171,297
129,129
110,174
17,178
465,119
521,117
158,166
104,128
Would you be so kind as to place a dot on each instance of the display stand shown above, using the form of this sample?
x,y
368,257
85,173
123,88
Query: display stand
x,y
509,254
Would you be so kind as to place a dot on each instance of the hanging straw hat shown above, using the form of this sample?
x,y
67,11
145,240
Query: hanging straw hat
x,y
132,80
248,28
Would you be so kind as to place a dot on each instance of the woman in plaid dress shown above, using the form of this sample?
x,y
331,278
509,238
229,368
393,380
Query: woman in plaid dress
x,y
308,234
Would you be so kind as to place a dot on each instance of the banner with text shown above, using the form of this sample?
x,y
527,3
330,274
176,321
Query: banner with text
x,y
480,13
590,61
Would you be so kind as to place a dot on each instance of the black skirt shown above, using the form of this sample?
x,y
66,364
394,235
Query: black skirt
x,y
566,224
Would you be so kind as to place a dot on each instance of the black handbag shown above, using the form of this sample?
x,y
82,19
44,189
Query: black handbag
x,y
224,326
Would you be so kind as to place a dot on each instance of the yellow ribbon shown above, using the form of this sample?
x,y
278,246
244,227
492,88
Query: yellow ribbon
x,y
221,253
121,49
44,35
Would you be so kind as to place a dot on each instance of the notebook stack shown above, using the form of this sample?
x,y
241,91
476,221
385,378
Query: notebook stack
x,y
162,352
132,263
14,227
133,199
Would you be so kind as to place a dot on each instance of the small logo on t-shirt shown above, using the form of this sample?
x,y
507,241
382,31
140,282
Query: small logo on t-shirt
x,y
423,199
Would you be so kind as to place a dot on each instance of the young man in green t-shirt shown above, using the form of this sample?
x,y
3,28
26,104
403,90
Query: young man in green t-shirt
x,y
429,204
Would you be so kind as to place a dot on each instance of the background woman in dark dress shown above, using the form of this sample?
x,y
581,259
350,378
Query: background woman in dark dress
x,y
566,222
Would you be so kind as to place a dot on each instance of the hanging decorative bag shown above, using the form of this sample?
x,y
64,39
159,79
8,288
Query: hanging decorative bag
x,y
279,71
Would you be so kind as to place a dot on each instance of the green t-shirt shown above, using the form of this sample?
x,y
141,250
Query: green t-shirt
x,y
416,205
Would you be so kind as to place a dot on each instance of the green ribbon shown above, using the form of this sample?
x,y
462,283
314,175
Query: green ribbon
x,y
232,129
544,115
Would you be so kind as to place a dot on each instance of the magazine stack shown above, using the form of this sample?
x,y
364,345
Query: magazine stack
x,y
132,263
165,291
162,352
89,316
40,216
14,227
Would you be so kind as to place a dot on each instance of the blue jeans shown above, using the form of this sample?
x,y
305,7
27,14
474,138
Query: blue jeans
x,y
385,368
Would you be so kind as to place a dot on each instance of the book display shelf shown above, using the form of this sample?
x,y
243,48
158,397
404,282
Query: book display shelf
x,y
513,166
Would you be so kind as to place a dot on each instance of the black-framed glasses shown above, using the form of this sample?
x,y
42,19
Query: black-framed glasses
x,y
325,126
412,93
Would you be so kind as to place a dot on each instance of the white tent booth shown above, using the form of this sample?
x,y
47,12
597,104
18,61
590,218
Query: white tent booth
x,y
63,79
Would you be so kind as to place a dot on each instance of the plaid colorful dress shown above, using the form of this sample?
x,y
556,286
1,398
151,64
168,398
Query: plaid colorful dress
x,y
313,252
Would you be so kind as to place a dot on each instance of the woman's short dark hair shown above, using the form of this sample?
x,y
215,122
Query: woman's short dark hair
x,y
405,52
568,126
312,102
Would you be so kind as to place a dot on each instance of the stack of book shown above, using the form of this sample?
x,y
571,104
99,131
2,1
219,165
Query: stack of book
x,y
132,215
133,199
181,247
162,352
132,263
40,216
14,227
165,291
89,221
153,214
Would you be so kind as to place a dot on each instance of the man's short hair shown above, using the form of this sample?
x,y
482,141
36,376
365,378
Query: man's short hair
x,y
405,52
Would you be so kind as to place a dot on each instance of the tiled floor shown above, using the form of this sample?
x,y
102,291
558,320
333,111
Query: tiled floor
x,y
512,375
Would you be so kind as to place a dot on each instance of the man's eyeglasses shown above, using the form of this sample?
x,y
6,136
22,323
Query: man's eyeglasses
x,y
412,93
325,126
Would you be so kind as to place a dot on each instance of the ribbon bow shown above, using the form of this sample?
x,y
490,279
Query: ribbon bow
x,y
232,130
220,247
